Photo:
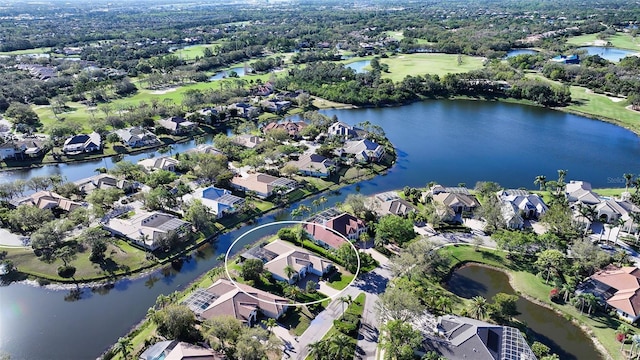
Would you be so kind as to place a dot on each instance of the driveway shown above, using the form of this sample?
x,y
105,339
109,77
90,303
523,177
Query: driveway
x,y
10,239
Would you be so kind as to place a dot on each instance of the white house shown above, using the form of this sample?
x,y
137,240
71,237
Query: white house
x,y
146,229
364,150
530,206
137,137
83,143
263,185
159,163
220,201
314,165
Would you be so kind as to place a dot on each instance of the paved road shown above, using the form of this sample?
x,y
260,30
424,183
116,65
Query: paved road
x,y
372,284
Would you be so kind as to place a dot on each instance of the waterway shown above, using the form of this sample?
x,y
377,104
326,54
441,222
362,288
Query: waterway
x,y
445,141
560,335
609,53
225,73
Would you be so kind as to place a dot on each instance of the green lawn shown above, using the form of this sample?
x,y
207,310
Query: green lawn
x,y
120,258
602,326
27,51
418,64
619,40
340,280
397,35
190,52
598,106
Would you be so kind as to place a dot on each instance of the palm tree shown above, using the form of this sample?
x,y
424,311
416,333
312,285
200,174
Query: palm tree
x,y
628,179
270,323
566,290
345,300
610,227
123,346
444,303
322,200
619,223
589,212
319,349
289,271
340,347
590,301
316,204
479,307
540,180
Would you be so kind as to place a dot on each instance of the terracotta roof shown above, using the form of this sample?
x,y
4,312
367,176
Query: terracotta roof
x,y
290,256
328,237
626,281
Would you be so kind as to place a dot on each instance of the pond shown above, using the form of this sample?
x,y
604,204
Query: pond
x,y
359,66
516,52
562,336
609,53
225,73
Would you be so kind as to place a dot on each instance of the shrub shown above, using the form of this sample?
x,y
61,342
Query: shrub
x,y
66,271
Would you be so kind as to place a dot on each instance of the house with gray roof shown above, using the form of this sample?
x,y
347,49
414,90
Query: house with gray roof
x,y
390,203
137,137
529,206
220,201
466,338
147,229
177,125
364,150
314,165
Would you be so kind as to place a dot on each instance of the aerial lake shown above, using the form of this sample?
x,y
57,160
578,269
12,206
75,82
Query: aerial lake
x,y
516,52
445,141
609,53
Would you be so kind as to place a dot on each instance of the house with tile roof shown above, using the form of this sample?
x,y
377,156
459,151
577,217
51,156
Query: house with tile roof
x,y
458,202
292,128
105,181
529,206
137,137
314,165
83,143
331,227
466,338
277,255
47,200
390,203
159,163
364,150
175,350
147,229
618,288
262,185
248,141
241,301
220,201
177,125
345,131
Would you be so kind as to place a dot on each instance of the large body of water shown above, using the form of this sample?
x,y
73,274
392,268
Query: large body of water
x,y
445,141
563,337
609,53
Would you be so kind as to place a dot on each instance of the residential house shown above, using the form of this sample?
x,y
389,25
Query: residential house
x,y
580,191
278,254
47,200
390,203
220,201
607,210
345,131
265,89
205,149
27,148
241,301
364,150
83,143
511,216
275,106
175,350
458,202
530,206
333,226
105,181
466,338
619,288
147,229
137,137
177,125
293,128
249,141
244,110
314,165
263,185
159,163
